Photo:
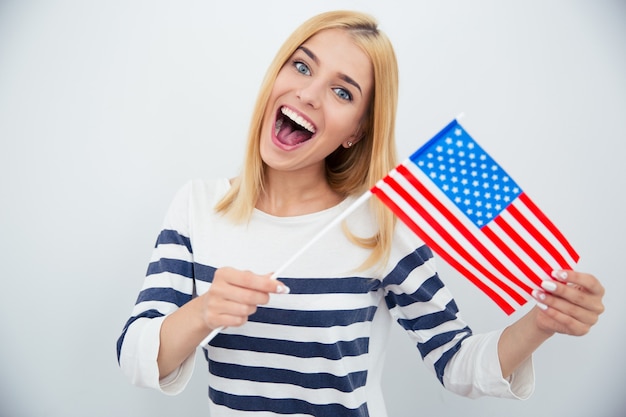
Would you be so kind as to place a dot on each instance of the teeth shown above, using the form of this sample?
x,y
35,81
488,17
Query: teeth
x,y
297,119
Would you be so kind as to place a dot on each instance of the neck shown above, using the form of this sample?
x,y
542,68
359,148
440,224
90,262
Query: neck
x,y
295,194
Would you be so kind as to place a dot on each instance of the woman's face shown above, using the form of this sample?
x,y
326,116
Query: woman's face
x,y
317,104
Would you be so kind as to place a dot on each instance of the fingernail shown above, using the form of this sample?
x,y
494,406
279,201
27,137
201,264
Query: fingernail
x,y
539,294
548,285
542,306
562,275
282,289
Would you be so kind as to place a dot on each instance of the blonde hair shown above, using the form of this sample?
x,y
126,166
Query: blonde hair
x,y
348,171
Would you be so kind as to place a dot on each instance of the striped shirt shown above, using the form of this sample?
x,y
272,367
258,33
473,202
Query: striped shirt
x,y
317,351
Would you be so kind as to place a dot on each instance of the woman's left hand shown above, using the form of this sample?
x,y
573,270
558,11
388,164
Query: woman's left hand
x,y
569,304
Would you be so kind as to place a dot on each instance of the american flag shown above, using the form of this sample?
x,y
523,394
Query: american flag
x,y
472,214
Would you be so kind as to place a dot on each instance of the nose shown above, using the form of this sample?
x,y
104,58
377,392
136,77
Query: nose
x,y
310,93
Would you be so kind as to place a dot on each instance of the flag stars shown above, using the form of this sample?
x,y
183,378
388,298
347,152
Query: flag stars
x,y
468,176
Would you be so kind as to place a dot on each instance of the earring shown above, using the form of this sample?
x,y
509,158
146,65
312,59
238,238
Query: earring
x,y
349,144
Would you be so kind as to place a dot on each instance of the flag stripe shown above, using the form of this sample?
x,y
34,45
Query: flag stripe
x,y
554,241
550,226
501,302
538,236
537,272
506,249
487,254
522,243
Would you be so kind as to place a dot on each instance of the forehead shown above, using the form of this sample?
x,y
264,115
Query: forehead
x,y
336,50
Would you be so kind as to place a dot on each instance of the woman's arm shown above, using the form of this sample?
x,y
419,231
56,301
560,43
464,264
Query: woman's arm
x,y
570,304
233,296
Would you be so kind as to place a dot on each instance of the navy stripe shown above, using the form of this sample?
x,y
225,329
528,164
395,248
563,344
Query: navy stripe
x,y
204,272
330,351
168,236
319,380
284,406
407,264
175,266
439,340
424,293
441,363
168,295
150,314
431,320
312,318
347,285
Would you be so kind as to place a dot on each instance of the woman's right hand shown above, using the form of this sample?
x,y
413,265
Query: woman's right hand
x,y
234,295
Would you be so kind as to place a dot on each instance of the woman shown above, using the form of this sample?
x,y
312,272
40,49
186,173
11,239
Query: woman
x,y
313,341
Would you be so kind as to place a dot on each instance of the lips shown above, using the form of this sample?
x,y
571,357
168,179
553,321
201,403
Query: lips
x,y
291,128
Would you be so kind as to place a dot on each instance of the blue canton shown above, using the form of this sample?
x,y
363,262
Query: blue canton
x,y
470,178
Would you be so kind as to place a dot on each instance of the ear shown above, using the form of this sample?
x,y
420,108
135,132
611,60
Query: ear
x,y
354,138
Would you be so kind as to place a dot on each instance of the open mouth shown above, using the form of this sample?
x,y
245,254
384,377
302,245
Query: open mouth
x,y
292,129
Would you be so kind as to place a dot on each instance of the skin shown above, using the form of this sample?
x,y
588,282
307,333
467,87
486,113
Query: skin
x,y
329,83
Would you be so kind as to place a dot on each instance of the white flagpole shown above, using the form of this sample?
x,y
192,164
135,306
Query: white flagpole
x,y
315,238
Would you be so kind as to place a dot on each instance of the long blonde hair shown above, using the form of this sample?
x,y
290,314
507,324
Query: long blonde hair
x,y
348,171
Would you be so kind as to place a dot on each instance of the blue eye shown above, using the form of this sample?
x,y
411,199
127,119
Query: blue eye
x,y
302,68
343,94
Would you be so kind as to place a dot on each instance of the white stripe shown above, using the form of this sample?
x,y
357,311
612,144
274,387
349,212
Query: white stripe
x,y
167,280
415,279
323,396
161,306
419,309
325,302
528,238
304,334
171,251
524,257
526,212
349,364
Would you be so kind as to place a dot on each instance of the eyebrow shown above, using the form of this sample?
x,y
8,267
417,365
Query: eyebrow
x,y
344,77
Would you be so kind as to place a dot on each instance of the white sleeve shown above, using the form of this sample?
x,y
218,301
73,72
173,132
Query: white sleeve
x,y
138,359
474,371
168,284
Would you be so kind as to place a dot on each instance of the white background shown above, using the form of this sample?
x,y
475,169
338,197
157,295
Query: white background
x,y
108,107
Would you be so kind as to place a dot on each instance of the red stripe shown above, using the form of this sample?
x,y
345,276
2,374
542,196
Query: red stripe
x,y
501,302
467,234
451,240
519,241
506,249
549,225
540,238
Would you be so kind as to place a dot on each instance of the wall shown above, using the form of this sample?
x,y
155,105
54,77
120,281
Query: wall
x,y
107,108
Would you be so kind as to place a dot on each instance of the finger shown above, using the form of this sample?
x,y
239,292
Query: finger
x,y
585,281
578,288
555,320
229,314
249,280
548,301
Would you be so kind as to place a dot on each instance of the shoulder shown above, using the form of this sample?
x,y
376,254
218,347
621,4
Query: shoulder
x,y
202,191
196,196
